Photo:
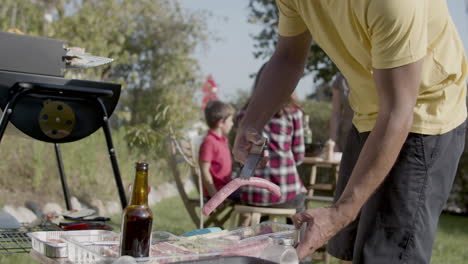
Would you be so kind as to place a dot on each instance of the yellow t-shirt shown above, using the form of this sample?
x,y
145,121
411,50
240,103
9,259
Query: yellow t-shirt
x,y
359,35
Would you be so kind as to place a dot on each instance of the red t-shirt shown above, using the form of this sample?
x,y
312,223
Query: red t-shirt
x,y
215,150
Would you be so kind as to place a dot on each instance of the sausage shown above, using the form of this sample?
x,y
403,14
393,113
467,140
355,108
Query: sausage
x,y
171,249
232,186
169,253
154,252
112,252
251,248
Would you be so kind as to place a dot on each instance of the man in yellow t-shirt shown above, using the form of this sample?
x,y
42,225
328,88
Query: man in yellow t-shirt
x,y
406,69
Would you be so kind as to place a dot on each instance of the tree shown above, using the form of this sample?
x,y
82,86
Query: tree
x,y
162,75
265,13
152,42
23,15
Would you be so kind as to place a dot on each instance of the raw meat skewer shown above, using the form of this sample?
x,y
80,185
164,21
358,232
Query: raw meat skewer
x,y
232,186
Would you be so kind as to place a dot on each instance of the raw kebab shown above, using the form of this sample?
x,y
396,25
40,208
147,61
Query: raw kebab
x,y
233,185
255,155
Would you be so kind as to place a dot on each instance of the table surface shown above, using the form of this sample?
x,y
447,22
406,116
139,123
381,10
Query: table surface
x,y
319,161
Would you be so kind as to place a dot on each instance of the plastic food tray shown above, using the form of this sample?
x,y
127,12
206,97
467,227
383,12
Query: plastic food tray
x,y
229,260
165,248
247,241
245,234
52,244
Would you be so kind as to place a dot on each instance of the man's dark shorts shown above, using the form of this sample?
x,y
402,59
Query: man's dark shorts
x,y
399,221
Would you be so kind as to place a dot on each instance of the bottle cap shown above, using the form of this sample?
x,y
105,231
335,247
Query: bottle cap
x,y
141,166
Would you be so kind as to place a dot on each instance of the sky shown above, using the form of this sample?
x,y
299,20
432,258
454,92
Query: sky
x,y
231,59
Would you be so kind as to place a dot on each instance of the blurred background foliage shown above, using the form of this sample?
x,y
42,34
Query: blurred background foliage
x,y
265,13
153,45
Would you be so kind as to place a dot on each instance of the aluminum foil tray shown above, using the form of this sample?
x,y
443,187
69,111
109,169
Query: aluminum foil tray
x,y
165,248
52,245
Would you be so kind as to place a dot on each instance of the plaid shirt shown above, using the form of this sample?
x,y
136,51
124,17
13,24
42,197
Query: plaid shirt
x,y
286,150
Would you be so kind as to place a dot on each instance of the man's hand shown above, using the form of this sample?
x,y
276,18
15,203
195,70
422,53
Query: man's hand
x,y
244,139
322,224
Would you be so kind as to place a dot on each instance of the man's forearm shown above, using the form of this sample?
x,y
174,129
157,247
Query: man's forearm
x,y
276,84
397,90
375,161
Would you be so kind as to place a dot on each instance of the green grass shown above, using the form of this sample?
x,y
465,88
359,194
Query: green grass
x,y
30,172
170,215
451,241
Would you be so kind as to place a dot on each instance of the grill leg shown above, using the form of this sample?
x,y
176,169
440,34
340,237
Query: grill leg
x,y
66,193
15,94
115,166
5,119
112,156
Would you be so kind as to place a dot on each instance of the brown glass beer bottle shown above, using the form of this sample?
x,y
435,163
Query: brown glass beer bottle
x,y
137,218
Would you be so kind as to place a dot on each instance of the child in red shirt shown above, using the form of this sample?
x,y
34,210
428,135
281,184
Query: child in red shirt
x,y
215,156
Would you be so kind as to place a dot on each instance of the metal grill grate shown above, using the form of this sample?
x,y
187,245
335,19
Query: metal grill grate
x,y
17,241
14,242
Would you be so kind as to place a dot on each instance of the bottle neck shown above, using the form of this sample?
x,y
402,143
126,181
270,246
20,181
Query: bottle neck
x,y
140,188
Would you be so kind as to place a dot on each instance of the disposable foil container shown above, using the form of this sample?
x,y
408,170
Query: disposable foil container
x,y
52,245
165,248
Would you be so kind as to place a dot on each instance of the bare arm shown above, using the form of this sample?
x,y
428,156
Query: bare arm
x,y
397,90
207,179
276,84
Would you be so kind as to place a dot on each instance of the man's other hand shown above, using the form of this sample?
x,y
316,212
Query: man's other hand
x,y
322,224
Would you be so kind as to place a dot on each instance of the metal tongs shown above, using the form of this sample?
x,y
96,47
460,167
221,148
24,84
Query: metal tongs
x,y
254,157
300,234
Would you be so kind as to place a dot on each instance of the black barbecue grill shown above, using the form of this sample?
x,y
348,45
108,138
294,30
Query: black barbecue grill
x,y
37,100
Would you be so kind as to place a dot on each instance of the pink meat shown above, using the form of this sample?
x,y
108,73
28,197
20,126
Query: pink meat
x,y
235,184
111,251
265,230
164,246
250,248
169,253
156,253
